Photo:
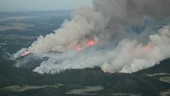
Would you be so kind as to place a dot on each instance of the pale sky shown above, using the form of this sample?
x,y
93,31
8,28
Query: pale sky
x,y
32,5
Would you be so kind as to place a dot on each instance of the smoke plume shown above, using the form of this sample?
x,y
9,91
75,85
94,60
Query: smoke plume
x,y
105,37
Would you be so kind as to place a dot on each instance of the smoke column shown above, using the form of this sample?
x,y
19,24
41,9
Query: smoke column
x,y
117,49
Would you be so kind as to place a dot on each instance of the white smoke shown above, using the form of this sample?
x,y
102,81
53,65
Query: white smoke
x,y
133,56
117,50
70,33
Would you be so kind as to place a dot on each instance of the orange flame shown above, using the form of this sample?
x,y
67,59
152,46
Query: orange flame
x,y
146,49
89,43
25,53
78,48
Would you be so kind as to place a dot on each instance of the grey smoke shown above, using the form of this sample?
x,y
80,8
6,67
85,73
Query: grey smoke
x,y
132,10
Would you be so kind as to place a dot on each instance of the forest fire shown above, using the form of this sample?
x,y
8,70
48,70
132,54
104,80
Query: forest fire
x,y
130,38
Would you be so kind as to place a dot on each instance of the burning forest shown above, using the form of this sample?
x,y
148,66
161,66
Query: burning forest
x,y
104,36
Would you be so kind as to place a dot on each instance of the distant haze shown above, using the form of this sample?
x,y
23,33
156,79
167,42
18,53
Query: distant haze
x,y
34,5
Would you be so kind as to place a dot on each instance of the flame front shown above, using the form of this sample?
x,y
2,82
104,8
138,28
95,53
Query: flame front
x,y
92,42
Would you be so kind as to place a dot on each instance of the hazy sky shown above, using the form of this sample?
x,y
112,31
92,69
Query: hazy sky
x,y
31,5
